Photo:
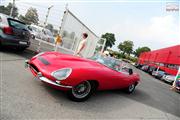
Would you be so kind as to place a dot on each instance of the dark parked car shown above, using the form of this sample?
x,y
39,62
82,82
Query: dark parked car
x,y
151,69
13,33
137,65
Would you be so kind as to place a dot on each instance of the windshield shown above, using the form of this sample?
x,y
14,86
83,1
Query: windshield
x,y
110,62
48,32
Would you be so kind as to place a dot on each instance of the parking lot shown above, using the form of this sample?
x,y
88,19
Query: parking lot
x,y
22,97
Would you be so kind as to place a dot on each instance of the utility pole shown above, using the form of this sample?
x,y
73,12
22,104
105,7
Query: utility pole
x,y
63,19
12,8
47,15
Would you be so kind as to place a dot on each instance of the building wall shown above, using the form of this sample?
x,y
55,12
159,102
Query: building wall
x,y
167,58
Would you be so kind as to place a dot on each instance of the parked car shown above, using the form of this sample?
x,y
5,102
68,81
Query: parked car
x,y
137,65
41,33
49,35
151,69
158,74
169,78
178,83
80,77
13,33
145,68
35,32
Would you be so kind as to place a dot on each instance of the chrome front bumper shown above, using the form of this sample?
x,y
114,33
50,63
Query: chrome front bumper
x,y
46,80
26,63
168,80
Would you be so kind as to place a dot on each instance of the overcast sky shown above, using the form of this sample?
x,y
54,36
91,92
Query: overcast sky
x,y
146,23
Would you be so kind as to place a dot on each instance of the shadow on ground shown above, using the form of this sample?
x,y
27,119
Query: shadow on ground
x,y
111,100
26,54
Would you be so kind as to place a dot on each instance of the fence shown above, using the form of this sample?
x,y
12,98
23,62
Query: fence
x,y
39,45
71,33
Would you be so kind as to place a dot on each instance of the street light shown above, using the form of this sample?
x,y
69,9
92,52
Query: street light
x,y
47,15
13,4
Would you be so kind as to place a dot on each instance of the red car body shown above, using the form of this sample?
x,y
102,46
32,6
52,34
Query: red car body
x,y
82,70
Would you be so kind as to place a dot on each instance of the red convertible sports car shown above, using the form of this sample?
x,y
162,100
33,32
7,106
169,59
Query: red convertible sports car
x,y
80,77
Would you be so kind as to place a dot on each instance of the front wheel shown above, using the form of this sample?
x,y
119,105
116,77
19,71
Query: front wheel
x,y
81,92
130,88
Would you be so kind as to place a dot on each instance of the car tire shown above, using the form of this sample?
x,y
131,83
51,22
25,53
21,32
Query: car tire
x,y
21,49
81,92
33,37
130,88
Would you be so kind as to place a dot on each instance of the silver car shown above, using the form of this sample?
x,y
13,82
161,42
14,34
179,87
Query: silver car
x,y
169,78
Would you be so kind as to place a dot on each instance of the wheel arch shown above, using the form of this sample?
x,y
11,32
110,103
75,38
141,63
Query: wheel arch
x,y
95,83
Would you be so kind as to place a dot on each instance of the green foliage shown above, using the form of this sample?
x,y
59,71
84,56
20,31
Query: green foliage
x,y
110,40
31,16
140,50
130,58
126,47
6,10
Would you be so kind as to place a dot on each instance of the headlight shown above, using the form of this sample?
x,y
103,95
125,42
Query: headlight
x,y
62,74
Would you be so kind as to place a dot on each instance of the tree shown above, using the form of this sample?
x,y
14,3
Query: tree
x,y
30,17
126,47
110,40
50,27
6,10
139,50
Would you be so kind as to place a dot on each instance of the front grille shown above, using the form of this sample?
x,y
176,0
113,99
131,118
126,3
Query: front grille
x,y
34,68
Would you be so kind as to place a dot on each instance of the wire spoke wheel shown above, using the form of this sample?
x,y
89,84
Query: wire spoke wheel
x,y
131,88
82,90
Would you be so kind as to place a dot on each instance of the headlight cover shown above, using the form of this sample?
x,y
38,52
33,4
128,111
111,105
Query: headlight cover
x,y
62,74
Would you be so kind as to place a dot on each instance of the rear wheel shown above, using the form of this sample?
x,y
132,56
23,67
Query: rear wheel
x,y
81,92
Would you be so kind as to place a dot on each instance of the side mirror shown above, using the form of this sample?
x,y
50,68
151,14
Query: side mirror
x,y
130,71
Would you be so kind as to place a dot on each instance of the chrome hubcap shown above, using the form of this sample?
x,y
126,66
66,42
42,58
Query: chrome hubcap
x,y
81,90
131,87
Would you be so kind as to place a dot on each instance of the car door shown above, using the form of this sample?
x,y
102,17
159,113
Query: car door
x,y
116,80
123,79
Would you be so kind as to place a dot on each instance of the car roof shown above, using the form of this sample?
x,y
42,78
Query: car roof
x,y
7,16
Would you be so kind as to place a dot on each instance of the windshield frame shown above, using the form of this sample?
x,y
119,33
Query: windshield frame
x,y
118,65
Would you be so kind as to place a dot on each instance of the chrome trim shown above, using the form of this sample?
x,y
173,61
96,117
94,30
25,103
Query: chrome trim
x,y
26,63
44,79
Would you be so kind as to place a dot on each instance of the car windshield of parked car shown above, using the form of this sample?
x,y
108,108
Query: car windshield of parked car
x,y
17,24
110,62
34,29
48,33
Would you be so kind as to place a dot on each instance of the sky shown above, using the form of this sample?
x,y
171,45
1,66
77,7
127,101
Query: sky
x,y
145,22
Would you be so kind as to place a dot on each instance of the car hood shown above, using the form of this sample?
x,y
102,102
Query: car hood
x,y
170,77
57,60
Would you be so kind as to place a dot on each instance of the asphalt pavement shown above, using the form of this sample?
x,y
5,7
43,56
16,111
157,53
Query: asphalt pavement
x,y
23,97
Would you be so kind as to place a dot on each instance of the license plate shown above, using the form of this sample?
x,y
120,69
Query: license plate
x,y
23,43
